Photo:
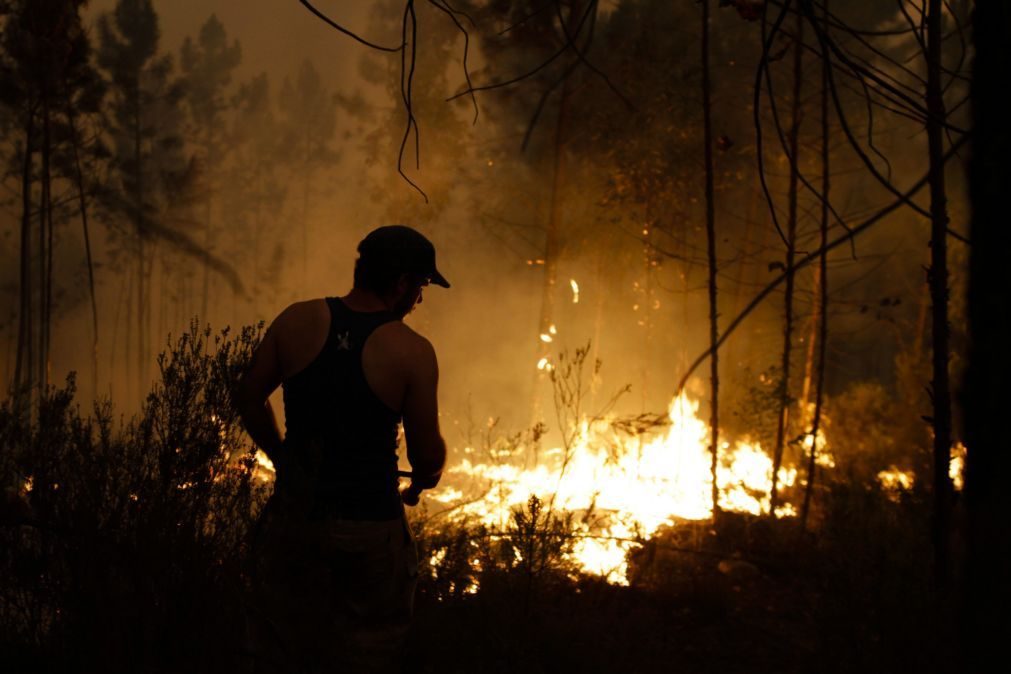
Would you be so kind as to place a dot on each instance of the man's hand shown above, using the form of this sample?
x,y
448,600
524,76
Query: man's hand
x,y
411,495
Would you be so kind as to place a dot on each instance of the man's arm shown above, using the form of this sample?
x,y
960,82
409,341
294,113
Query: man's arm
x,y
426,450
253,396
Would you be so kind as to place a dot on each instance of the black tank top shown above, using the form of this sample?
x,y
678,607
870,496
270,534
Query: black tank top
x,y
338,430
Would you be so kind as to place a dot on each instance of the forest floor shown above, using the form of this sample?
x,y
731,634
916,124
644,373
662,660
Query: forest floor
x,y
690,613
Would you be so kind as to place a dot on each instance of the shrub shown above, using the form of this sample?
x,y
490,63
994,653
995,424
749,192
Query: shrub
x,y
123,543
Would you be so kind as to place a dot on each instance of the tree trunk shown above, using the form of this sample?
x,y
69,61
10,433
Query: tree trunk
x,y
141,314
139,232
205,293
791,241
714,380
83,208
938,280
45,254
822,296
988,463
23,368
551,249
814,326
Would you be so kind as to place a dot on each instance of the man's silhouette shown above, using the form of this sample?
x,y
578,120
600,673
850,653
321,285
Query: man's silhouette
x,y
334,561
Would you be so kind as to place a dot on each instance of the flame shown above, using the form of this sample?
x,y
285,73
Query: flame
x,y
897,480
956,467
264,468
575,290
632,485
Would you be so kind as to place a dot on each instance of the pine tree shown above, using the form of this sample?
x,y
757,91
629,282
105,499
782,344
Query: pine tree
x,y
208,64
149,172
46,85
309,117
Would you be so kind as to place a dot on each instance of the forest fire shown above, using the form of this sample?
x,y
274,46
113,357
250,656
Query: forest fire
x,y
395,244
622,488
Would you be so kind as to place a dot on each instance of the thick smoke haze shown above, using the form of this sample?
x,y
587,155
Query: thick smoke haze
x,y
635,254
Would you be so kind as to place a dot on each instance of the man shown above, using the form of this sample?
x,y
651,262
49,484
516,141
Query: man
x,y
334,561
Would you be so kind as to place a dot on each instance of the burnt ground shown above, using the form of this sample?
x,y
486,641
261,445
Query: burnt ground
x,y
802,608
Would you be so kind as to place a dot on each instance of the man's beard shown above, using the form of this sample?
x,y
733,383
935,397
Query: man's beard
x,y
403,306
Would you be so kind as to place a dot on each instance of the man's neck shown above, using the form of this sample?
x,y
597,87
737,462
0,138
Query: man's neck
x,y
365,300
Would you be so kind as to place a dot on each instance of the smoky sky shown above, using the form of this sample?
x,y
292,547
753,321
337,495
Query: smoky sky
x,y
276,35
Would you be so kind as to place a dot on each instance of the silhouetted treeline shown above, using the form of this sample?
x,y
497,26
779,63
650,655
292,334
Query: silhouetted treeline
x,y
150,185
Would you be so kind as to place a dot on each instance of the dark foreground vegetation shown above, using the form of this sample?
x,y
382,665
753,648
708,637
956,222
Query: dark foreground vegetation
x,y
125,546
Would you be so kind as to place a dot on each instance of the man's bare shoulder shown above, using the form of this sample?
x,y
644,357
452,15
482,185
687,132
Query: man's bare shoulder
x,y
403,339
298,314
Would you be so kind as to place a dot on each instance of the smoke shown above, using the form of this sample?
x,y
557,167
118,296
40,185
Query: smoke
x,y
630,240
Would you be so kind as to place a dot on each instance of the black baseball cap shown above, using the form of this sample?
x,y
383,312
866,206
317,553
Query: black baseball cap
x,y
402,248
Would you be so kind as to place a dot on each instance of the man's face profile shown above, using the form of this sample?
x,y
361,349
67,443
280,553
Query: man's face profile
x,y
409,294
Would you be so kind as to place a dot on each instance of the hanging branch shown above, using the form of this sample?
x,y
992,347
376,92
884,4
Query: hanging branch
x,y
408,63
451,13
530,73
571,39
333,24
756,106
406,92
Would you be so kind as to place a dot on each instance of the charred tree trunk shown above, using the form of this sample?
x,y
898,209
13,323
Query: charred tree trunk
x,y
822,293
141,293
45,253
205,293
306,176
23,368
940,389
714,379
551,246
791,243
987,621
83,209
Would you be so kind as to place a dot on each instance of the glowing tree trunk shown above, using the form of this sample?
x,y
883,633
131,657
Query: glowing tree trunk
x,y
714,419
938,280
791,241
820,317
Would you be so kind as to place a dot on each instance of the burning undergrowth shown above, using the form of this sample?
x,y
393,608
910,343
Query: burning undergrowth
x,y
611,483
126,541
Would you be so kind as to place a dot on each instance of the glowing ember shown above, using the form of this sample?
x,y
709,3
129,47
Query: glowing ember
x,y
631,485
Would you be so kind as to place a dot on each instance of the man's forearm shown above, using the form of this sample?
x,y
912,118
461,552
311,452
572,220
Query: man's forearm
x,y
427,468
260,423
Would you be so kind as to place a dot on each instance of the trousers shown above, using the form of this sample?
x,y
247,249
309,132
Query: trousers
x,y
329,595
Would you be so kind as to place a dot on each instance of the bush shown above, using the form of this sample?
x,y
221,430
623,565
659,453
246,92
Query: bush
x,y
122,544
